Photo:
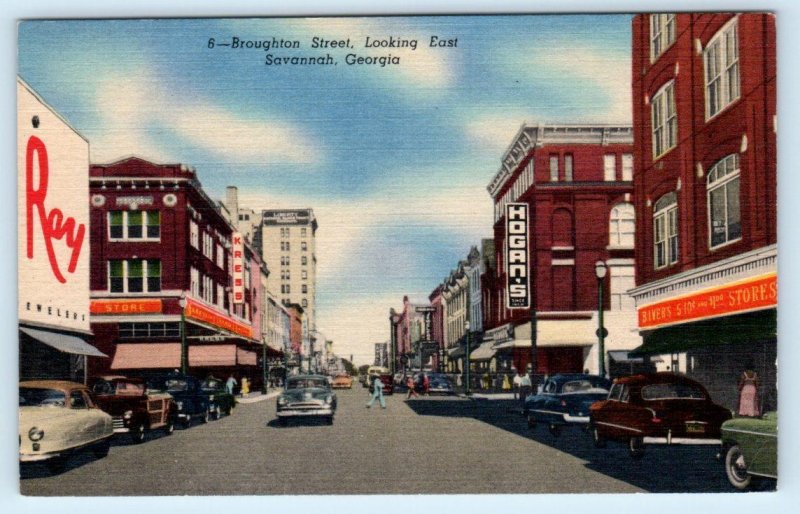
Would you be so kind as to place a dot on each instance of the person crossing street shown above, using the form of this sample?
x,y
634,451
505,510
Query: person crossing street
x,y
377,393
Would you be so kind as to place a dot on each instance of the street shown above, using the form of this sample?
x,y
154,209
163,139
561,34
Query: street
x,y
430,445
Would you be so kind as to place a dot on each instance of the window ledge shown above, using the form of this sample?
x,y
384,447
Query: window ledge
x,y
724,245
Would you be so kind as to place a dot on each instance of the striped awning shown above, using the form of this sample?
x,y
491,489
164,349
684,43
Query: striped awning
x,y
147,356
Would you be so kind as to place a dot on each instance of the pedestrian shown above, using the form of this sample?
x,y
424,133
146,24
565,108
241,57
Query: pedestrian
x,y
524,387
411,389
426,384
230,384
377,393
748,392
517,384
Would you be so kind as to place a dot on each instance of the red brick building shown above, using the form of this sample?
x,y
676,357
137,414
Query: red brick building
x,y
438,327
577,181
161,276
704,113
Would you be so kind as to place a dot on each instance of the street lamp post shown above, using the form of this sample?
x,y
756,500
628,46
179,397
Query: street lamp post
x,y
184,349
466,360
264,367
600,270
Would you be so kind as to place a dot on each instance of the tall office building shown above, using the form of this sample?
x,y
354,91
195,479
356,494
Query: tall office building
x,y
289,249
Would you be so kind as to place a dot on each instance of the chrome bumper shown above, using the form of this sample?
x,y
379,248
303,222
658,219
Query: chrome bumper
x,y
306,412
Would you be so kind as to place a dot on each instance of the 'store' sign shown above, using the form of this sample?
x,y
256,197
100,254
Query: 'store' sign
x,y
518,294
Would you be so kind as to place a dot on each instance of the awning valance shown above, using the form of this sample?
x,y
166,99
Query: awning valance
x,y
246,357
147,356
212,355
483,353
63,343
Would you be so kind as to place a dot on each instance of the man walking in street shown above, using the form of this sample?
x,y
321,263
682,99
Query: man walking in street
x,y
524,388
517,384
377,393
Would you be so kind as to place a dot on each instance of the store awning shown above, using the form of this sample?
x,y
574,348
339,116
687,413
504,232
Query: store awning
x,y
744,328
212,355
246,357
621,356
566,332
64,343
456,353
483,353
514,343
147,356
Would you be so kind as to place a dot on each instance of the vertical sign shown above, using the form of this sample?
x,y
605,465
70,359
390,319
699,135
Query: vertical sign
x,y
238,268
518,295
53,199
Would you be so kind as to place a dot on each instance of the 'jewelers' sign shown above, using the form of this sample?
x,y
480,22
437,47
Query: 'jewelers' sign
x,y
518,289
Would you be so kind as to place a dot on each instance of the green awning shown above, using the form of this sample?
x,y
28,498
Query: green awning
x,y
743,328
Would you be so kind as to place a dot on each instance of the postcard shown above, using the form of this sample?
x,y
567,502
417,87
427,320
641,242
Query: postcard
x,y
436,255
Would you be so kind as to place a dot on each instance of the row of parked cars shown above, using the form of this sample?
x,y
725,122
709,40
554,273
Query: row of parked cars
x,y
59,418
657,408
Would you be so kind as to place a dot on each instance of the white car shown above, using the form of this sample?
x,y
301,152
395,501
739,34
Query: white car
x,y
58,418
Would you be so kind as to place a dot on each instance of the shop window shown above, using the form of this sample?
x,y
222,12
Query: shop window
x,y
725,221
662,34
128,276
665,231
621,226
665,120
131,225
721,66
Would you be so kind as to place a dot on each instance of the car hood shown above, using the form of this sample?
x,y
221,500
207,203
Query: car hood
x,y
38,415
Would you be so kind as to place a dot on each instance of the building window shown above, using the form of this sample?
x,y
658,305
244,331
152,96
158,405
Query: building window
x,y
304,246
665,231
304,303
194,235
303,232
220,257
554,168
148,330
304,289
622,225
567,168
665,120
609,167
627,167
725,221
194,282
220,296
662,34
134,275
208,245
303,260
124,225
304,274
285,289
721,62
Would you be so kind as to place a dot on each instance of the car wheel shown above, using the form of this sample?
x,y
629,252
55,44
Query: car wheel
x,y
206,416
227,410
100,450
329,421
138,433
216,414
636,447
282,421
170,427
57,465
736,468
555,430
531,422
597,438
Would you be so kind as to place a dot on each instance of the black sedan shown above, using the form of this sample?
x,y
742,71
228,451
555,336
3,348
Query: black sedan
x,y
307,396
565,399
440,384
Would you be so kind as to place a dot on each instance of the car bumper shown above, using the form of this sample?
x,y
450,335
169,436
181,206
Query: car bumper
x,y
38,457
582,420
669,440
324,411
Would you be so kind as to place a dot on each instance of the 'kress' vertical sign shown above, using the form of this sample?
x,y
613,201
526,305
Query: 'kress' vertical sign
x,y
238,267
518,289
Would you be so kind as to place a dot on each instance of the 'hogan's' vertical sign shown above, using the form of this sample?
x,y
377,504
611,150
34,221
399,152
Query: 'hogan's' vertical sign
x,y
518,295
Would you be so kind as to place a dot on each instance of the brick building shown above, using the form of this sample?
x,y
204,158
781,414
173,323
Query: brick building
x,y
704,107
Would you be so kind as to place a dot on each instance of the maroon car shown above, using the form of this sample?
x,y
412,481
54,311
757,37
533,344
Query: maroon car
x,y
134,408
657,408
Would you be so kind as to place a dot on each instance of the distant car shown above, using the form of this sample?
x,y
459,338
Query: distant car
x,y
388,382
657,408
58,418
195,398
440,384
750,448
565,400
342,381
307,396
134,408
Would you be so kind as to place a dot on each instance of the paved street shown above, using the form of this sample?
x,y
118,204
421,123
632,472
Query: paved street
x,y
429,445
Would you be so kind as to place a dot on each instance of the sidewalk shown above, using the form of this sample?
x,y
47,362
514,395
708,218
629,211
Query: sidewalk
x,y
258,396
488,396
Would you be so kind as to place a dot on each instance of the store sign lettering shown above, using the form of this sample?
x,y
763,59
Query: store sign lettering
x,y
54,224
238,267
100,307
753,294
196,311
518,294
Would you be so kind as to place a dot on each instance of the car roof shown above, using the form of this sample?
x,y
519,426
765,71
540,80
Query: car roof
x,y
120,378
662,377
306,377
52,384
564,377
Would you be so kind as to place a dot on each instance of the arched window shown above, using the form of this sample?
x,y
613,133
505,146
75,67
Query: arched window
x,y
665,231
724,214
621,226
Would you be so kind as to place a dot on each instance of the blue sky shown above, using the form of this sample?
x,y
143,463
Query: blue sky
x,y
394,160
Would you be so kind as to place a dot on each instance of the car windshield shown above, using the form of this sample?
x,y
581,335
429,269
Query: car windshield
x,y
34,397
211,384
672,392
176,384
576,386
302,383
121,388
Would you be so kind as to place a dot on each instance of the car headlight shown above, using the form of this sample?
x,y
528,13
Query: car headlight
x,y
35,434
128,414
281,401
329,400
179,405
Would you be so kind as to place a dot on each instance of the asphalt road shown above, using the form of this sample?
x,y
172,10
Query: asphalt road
x,y
437,445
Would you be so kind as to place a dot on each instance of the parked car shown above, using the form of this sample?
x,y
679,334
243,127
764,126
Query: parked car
x,y
195,398
750,448
565,400
58,418
307,396
134,408
440,384
342,381
657,408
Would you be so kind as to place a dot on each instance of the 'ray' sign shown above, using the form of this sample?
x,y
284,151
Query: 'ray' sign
x,y
518,288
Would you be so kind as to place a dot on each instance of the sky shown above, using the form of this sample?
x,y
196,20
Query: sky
x,y
394,160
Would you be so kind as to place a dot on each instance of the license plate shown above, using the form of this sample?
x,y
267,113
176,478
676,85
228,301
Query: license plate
x,y
695,428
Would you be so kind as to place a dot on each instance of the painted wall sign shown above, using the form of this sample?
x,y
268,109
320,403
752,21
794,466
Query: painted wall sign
x,y
199,312
53,253
110,307
238,267
744,296
518,294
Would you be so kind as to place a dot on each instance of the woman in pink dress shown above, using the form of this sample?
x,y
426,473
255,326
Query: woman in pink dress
x,y
748,393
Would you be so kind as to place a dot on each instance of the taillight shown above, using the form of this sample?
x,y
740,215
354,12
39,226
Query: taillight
x,y
563,403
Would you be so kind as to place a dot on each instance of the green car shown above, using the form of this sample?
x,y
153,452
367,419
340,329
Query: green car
x,y
750,446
